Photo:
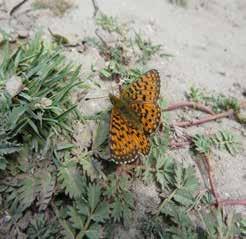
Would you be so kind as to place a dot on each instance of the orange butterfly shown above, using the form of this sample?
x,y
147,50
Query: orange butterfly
x,y
135,115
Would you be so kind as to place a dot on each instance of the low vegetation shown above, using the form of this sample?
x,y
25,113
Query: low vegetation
x,y
48,191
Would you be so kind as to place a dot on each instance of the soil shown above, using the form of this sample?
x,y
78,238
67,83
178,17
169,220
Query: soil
x,y
208,42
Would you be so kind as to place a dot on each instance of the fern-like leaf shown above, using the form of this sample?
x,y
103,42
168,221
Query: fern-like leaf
x,y
71,180
94,193
202,144
27,192
225,140
42,229
45,185
88,211
122,199
77,220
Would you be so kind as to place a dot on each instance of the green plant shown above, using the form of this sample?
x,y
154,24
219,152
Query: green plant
x,y
111,24
146,47
70,179
222,140
121,198
41,106
42,228
242,226
119,55
217,102
195,94
57,191
218,224
28,188
86,214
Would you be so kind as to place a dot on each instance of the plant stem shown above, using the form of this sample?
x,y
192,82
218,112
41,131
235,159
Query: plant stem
x,y
176,145
233,202
184,124
189,104
207,159
85,228
166,200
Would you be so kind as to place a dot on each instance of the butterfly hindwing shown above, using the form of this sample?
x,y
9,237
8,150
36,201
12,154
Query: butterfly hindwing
x,y
126,142
150,114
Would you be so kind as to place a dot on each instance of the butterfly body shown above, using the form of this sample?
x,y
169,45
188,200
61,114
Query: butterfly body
x,y
135,115
123,106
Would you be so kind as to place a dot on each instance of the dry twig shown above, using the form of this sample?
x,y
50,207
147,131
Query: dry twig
x,y
96,8
16,7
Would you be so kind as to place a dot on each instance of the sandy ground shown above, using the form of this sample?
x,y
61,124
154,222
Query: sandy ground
x,y
207,39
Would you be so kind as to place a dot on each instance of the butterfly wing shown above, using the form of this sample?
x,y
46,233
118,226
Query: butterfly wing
x,y
149,114
146,88
126,143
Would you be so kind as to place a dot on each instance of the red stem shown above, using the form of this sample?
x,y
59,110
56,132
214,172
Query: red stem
x,y
189,104
233,202
175,145
204,120
211,180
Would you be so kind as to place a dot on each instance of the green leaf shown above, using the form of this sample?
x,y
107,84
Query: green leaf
x,y
40,227
160,162
83,208
33,126
67,231
71,180
76,219
101,213
94,193
202,144
46,186
117,211
16,114
87,164
184,197
226,140
102,131
93,232
160,177
178,173
190,180
242,226
27,192
8,148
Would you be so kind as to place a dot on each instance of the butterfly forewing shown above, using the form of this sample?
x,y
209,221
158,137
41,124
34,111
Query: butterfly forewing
x,y
146,88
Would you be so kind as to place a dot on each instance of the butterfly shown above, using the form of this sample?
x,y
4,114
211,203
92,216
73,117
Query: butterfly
x,y
134,116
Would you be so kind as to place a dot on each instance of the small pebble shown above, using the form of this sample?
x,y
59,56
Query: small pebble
x,y
14,86
13,38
